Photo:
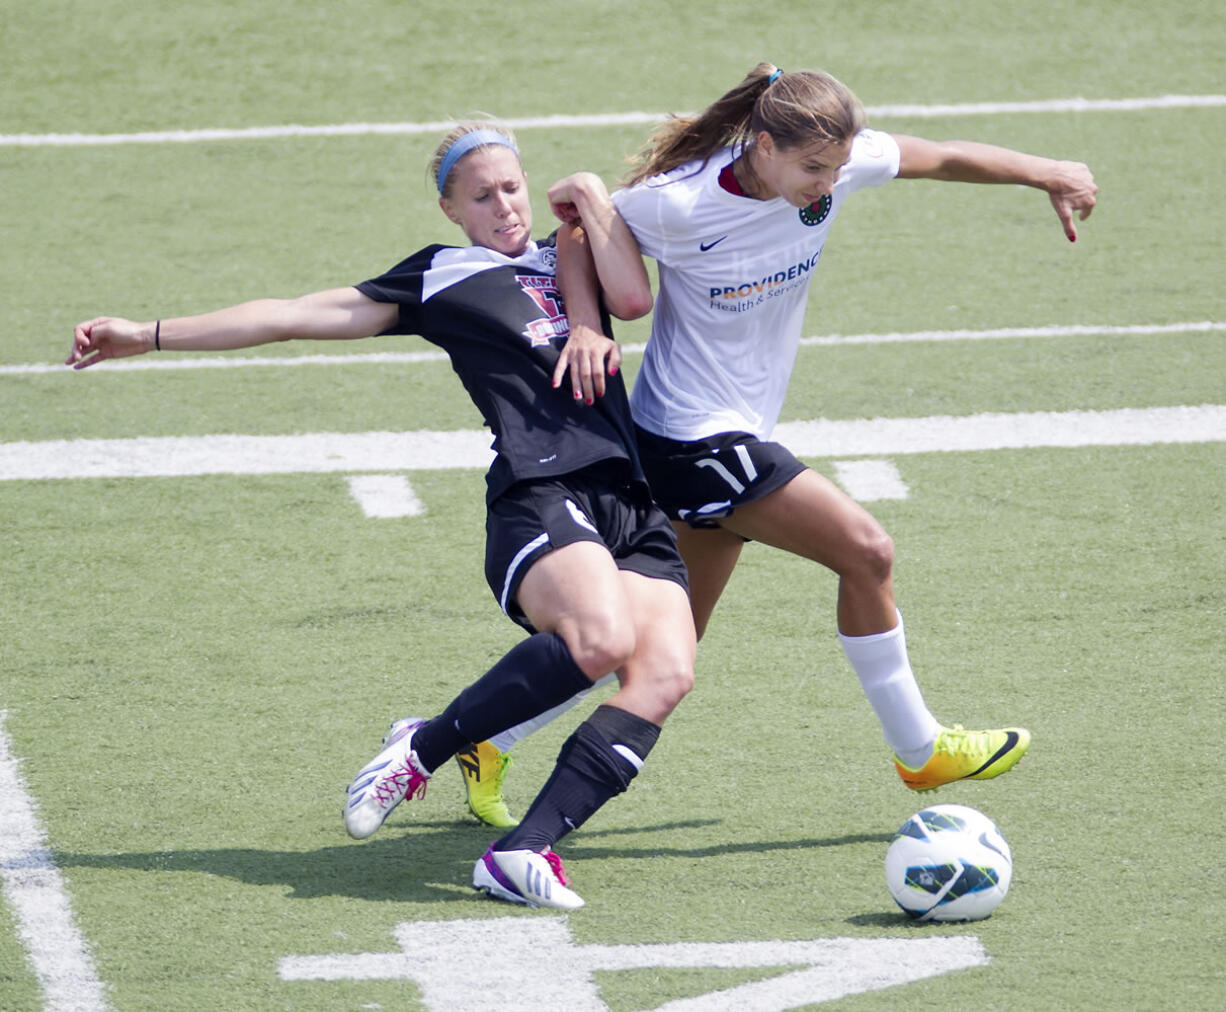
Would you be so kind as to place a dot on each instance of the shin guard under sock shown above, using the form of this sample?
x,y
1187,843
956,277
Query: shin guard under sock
x,y
595,764
881,663
533,676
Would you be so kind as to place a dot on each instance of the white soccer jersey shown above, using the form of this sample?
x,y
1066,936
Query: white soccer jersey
x,y
734,277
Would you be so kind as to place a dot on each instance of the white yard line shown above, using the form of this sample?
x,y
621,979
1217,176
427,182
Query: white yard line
x,y
35,892
596,120
157,363
885,437
1007,333
332,452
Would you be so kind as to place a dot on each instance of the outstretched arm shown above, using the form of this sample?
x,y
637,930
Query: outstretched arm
x,y
1070,185
583,199
341,313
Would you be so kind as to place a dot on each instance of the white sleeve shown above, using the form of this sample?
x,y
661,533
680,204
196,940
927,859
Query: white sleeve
x,y
875,160
642,206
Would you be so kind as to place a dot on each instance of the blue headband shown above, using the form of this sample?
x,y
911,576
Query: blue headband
x,y
470,140
774,76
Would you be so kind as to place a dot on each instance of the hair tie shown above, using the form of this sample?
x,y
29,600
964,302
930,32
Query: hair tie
x,y
774,76
470,140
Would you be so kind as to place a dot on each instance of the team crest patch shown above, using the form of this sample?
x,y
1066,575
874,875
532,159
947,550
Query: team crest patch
x,y
816,212
552,324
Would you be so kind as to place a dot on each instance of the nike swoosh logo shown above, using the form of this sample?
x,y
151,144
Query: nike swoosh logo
x,y
704,246
1011,739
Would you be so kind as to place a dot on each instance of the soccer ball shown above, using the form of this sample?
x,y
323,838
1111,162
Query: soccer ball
x,y
948,863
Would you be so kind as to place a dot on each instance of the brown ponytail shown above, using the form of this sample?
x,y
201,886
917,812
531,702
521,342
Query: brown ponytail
x,y
796,109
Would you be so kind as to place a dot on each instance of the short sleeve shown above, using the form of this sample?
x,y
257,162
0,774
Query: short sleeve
x,y
875,159
402,285
642,207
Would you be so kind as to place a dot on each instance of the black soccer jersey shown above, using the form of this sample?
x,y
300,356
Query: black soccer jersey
x,y
502,323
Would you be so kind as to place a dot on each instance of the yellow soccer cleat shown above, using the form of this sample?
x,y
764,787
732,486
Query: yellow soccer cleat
x,y
484,769
967,755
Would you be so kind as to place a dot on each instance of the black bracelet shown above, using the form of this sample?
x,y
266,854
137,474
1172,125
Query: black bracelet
x,y
157,336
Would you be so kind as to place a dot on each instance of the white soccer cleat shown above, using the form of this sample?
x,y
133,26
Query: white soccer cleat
x,y
536,879
385,781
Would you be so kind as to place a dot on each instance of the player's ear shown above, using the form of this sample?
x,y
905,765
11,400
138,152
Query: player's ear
x,y
445,204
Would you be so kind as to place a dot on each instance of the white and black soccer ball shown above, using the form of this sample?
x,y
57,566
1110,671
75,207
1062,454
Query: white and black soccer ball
x,y
948,863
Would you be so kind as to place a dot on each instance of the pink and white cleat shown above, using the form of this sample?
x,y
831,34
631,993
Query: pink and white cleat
x,y
390,777
534,878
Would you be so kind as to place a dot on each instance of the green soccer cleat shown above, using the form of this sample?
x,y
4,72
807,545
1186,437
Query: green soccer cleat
x,y
484,769
967,755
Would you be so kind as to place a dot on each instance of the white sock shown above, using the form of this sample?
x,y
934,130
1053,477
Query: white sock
x,y
505,740
880,662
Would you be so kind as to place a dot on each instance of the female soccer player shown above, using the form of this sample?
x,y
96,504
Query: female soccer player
x,y
576,553
735,205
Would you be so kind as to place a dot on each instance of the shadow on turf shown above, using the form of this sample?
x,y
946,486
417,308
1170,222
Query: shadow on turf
x,y
422,862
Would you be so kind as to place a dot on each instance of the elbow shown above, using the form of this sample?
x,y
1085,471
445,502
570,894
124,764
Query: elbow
x,y
631,305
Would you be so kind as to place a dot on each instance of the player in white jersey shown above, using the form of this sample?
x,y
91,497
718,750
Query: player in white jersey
x,y
734,279
734,205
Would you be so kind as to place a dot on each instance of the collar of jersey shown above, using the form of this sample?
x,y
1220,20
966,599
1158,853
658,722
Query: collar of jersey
x,y
462,254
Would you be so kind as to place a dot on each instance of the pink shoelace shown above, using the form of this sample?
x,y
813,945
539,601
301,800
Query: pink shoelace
x,y
555,863
401,783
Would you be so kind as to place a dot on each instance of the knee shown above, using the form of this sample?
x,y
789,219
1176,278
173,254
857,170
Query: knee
x,y
874,553
672,678
679,682
600,644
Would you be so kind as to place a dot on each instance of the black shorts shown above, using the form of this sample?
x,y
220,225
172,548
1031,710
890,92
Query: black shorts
x,y
533,518
700,481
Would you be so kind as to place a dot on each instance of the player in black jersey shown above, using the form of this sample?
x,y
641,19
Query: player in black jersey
x,y
576,551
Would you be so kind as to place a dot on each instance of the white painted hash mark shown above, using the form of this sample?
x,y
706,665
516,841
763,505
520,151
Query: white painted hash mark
x,y
536,965
35,892
870,480
385,496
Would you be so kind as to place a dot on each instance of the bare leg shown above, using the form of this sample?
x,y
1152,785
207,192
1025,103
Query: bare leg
x,y
710,556
813,518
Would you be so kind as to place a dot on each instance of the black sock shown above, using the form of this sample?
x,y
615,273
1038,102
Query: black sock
x,y
533,676
592,768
